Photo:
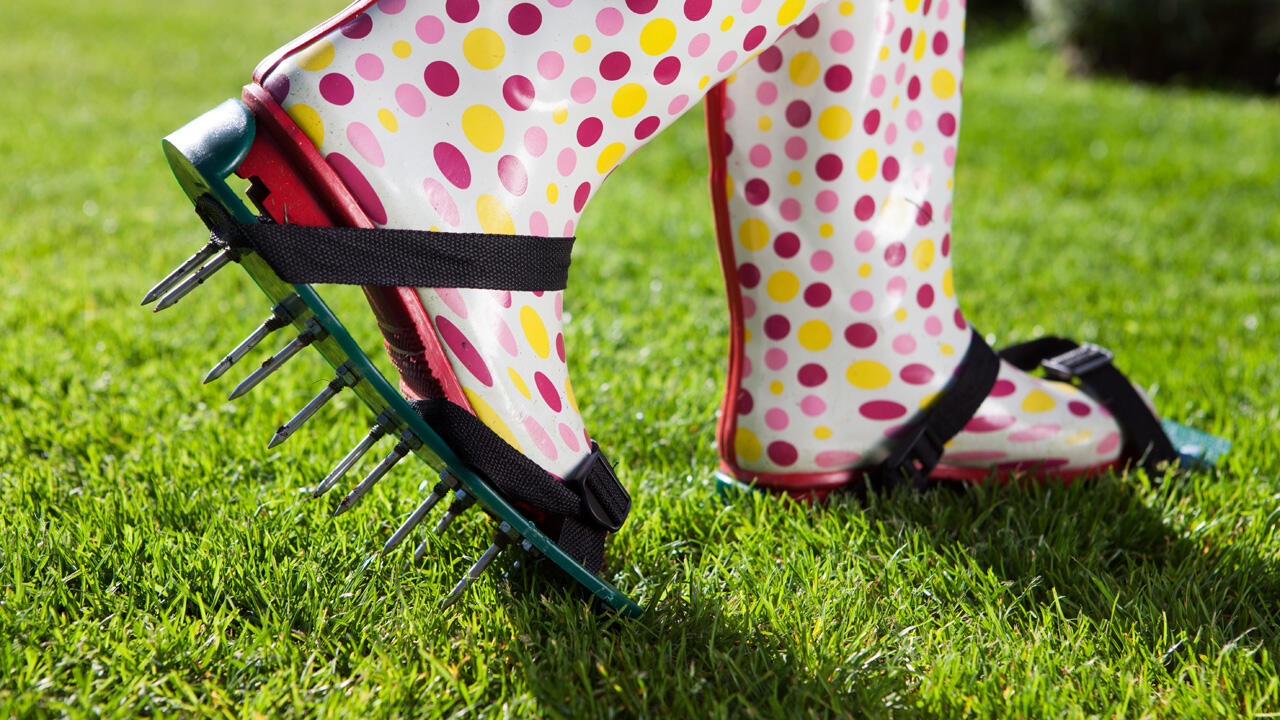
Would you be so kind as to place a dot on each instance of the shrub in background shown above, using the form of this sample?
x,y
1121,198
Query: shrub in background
x,y
1225,43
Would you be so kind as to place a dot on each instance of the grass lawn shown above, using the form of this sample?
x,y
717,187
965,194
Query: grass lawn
x,y
155,558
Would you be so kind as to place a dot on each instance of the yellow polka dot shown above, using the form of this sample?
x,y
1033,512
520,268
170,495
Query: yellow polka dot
x,y
703,82
483,127
920,45
728,185
753,234
825,230
884,53
765,123
822,432
726,23
1079,438
775,387
846,8
917,147
789,11
494,218
929,400
629,100
864,269
868,375
388,120
900,315
746,445
911,5
835,122
1038,401
658,36
922,256
518,383
814,335
308,120
944,84
401,49
804,68
794,177
491,418
868,163
553,193
783,286
317,57
483,48
1064,387
582,43
568,393
535,331
948,285
609,157
731,79
895,102
746,336
946,349
559,115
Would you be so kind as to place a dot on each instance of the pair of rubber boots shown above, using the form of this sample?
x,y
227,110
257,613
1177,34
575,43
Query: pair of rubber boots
x,y
440,153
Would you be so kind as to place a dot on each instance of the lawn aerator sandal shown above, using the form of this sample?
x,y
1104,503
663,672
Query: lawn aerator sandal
x,y
849,355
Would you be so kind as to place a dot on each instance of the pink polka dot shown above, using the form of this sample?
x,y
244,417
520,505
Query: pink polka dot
x,y
749,6
904,344
569,437
760,155
916,374
842,41
861,301
609,22
560,346
836,458
877,86
512,175
727,61
559,307
359,187
506,340
535,141
582,90
452,298
391,7
775,358
503,297
538,225
463,350
821,261
547,390
337,88
865,241
441,202
777,419
891,133
933,325
1109,444
550,65
364,142
368,66
795,147
989,423
1035,433
541,439
429,29
699,44
410,99
914,120
566,161
812,405
677,104
896,287
789,209
766,93
827,201
748,308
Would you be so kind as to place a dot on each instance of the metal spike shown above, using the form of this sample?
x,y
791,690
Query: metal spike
x,y
380,426
197,278
280,316
408,441
499,543
442,488
191,263
346,378
463,502
306,337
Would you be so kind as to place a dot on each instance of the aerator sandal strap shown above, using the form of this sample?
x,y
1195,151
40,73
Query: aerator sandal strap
x,y
922,444
591,500
406,258
1065,360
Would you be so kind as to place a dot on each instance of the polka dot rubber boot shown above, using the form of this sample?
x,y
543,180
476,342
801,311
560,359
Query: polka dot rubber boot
x,y
505,118
833,160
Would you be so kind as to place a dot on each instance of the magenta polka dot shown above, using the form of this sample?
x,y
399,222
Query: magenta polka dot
x,y
647,127
882,410
744,402
547,390
775,358
829,167
817,295
667,70
337,88
889,169
513,175
776,419
441,202
518,91
410,100
615,66
589,131
842,41
748,275
1079,409
860,335
826,201
453,165
783,453
462,11
754,37
913,88
787,244
441,78
365,143
895,254
946,245
550,65
278,86
798,113
990,423
947,124
821,261
580,196
939,43
812,405
838,78
904,344
861,301
640,7
916,374
524,19
358,26
696,9
1002,388
464,350
429,29
924,296
871,121
812,375
369,67
391,7
699,44
795,147
864,208
756,191
776,327
959,320
359,187
809,27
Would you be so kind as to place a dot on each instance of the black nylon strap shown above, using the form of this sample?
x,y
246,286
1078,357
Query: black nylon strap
x,y
920,445
1065,359
592,501
405,258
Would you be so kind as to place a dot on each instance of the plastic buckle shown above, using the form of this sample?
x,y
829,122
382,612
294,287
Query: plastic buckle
x,y
594,477
1076,363
913,461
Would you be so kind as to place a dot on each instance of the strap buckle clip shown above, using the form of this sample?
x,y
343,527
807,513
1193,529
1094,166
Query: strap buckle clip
x,y
913,460
604,497
1076,363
